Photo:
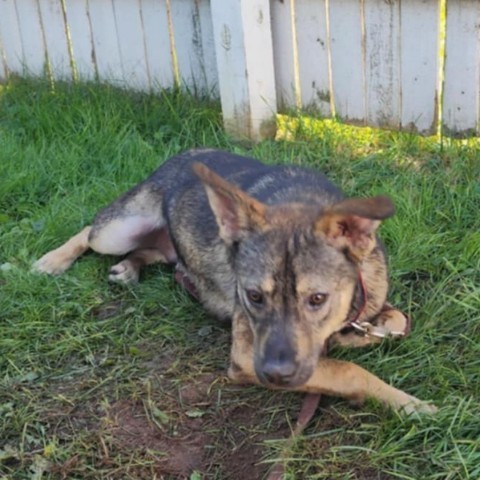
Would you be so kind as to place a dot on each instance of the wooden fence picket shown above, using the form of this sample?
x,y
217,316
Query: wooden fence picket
x,y
80,36
347,53
462,67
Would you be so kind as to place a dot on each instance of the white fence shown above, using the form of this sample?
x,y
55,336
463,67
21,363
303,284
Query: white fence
x,y
403,64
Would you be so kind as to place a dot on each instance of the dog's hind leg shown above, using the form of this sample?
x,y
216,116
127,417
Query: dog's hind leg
x,y
57,261
144,238
128,270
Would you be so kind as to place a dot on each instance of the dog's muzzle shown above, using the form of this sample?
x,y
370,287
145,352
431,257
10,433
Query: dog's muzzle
x,y
283,373
277,372
278,363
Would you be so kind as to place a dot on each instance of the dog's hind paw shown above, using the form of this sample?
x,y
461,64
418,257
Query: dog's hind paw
x,y
124,272
52,263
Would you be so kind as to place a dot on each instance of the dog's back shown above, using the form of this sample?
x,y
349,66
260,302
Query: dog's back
x,y
269,184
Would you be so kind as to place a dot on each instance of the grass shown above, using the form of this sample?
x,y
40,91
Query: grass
x,y
102,381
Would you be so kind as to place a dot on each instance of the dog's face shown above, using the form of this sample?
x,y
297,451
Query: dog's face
x,y
296,271
296,290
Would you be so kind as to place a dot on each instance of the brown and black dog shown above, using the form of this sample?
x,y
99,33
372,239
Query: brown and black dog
x,y
276,249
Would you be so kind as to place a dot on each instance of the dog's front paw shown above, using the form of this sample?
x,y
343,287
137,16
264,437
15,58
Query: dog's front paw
x,y
53,263
414,405
124,272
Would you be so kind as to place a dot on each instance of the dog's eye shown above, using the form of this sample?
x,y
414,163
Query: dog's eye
x,y
255,297
317,300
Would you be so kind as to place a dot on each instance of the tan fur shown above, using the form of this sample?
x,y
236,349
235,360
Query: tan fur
x,y
128,270
331,377
57,261
303,241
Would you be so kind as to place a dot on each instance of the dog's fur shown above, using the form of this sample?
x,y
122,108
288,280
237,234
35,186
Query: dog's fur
x,y
276,249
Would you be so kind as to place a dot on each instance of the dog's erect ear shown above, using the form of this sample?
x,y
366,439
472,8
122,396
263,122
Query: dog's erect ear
x,y
236,213
351,224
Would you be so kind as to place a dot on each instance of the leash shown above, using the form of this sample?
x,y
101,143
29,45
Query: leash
x,y
309,407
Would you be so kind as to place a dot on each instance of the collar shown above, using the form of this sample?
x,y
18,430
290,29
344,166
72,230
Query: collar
x,y
359,302
359,306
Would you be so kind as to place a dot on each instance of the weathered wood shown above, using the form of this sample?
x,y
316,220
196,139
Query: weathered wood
x,y
382,62
81,39
243,46
313,62
104,33
419,65
10,38
54,32
462,73
191,29
347,54
288,88
188,48
130,35
3,64
157,43
33,44
208,47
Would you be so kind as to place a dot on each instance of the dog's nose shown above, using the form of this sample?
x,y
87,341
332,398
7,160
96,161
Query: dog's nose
x,y
278,372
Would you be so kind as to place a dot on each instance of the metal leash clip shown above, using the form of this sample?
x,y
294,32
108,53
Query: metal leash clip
x,y
375,331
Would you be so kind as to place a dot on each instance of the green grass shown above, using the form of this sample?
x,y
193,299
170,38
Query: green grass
x,y
102,381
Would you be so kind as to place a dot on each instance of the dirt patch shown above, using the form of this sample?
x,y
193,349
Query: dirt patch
x,y
193,431
180,425
129,428
179,415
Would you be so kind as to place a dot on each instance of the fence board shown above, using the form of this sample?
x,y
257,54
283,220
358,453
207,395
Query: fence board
x,y
208,47
55,38
10,37
104,34
286,71
313,54
34,52
419,64
346,46
382,62
255,16
247,92
462,77
3,64
129,30
157,43
81,37
188,43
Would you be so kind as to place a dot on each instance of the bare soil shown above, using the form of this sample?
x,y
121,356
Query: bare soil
x,y
201,424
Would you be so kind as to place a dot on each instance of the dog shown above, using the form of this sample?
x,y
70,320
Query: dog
x,y
278,250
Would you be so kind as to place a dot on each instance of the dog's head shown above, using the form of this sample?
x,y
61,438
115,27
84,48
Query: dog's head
x,y
296,268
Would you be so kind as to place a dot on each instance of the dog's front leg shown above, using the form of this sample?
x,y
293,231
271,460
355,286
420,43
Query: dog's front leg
x,y
331,377
345,379
241,369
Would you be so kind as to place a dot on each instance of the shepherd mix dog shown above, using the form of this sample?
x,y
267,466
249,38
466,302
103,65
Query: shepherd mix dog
x,y
276,249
